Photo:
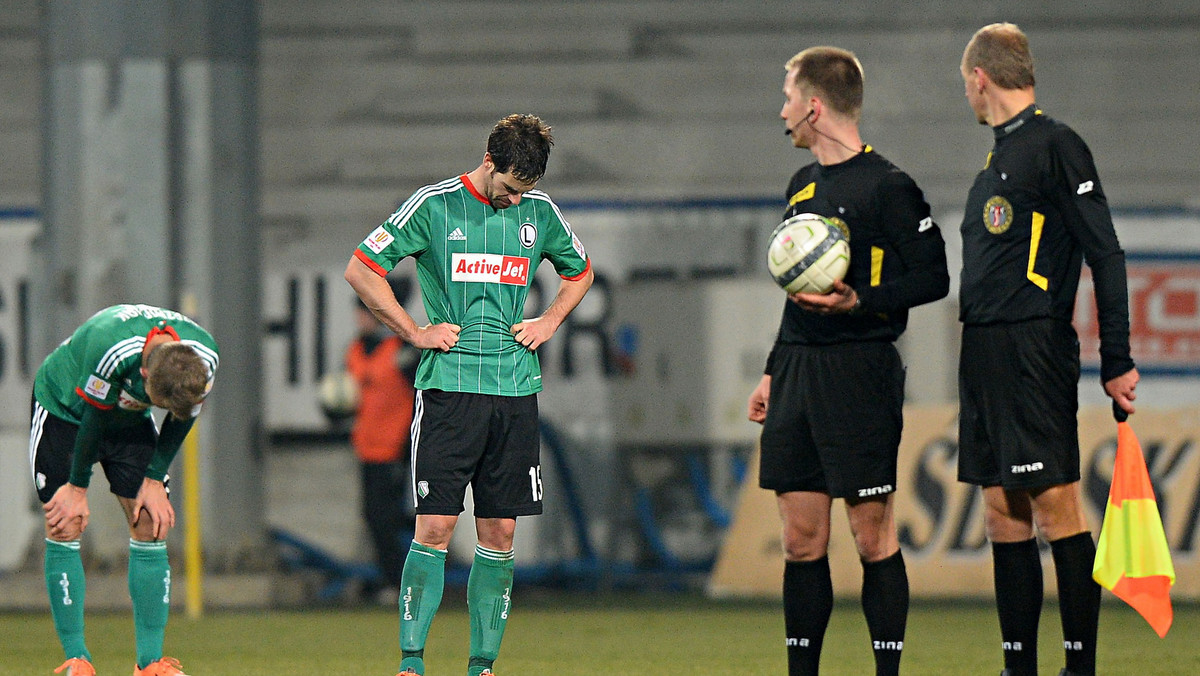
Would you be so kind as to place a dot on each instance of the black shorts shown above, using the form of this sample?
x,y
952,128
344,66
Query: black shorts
x,y
1018,387
834,420
124,454
490,442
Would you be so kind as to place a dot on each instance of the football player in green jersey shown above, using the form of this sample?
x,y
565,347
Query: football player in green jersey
x,y
91,403
477,240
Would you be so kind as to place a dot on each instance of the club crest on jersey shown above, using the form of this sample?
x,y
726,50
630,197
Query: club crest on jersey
x,y
528,235
378,240
468,267
997,215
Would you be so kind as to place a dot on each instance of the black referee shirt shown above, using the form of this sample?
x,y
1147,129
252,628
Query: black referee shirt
x,y
897,255
1035,212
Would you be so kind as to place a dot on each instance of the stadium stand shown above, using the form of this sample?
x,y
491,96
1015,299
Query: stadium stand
x,y
655,99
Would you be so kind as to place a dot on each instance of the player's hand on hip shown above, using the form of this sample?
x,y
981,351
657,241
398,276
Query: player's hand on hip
x,y
67,512
533,332
152,498
441,337
757,410
839,300
1121,389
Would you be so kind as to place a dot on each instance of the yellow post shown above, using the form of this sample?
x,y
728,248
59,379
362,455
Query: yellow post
x,y
192,548
193,558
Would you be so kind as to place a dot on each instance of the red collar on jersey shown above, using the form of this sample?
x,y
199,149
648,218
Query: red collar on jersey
x,y
471,188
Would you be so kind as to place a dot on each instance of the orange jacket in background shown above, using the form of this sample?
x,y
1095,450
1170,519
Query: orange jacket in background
x,y
385,401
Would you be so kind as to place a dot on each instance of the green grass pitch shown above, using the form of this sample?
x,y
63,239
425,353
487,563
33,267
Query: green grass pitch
x,y
578,634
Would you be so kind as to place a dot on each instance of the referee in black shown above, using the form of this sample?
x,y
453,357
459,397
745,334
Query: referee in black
x,y
1034,213
834,380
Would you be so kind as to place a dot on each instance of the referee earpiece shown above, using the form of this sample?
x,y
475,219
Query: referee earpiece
x,y
807,118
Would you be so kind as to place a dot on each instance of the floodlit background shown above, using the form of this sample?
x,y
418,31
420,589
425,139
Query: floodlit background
x,y
225,158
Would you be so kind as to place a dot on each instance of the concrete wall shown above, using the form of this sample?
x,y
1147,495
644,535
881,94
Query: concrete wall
x,y
658,98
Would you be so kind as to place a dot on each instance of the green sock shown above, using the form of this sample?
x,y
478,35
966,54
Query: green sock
x,y
150,591
66,588
489,593
421,585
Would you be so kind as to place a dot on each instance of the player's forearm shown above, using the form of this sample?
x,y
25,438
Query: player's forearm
x,y
87,443
570,293
377,295
170,438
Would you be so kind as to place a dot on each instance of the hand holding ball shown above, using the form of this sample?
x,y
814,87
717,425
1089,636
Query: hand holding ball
x,y
808,253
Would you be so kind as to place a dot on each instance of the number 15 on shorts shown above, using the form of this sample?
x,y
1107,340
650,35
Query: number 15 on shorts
x,y
535,482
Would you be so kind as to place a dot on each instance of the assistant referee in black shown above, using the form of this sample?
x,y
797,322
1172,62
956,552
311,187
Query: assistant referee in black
x,y
831,400
1034,213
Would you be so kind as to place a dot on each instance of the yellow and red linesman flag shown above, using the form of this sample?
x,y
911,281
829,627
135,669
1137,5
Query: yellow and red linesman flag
x,y
1133,560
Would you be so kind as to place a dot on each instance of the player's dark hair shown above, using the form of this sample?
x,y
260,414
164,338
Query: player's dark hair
x,y
178,378
520,144
833,74
1002,51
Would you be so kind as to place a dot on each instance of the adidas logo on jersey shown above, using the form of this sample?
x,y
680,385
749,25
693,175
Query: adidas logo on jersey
x,y
457,236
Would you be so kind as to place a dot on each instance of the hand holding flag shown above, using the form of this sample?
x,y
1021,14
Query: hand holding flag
x,y
1133,560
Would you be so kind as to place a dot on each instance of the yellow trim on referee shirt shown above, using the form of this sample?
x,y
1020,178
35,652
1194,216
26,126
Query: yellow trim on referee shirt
x,y
805,194
876,265
1035,236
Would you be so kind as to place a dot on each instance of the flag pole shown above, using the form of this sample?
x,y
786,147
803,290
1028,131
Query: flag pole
x,y
192,549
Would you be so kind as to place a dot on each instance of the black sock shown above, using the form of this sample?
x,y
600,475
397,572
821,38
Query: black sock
x,y
1017,574
1078,600
885,605
807,605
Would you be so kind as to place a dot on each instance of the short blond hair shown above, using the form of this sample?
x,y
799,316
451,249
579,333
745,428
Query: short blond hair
x,y
832,73
1002,51
178,378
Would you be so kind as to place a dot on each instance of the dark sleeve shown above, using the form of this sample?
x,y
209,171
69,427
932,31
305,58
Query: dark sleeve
x,y
914,237
769,367
170,438
87,446
1076,192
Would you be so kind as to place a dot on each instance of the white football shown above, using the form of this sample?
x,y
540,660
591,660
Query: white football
x,y
808,253
337,394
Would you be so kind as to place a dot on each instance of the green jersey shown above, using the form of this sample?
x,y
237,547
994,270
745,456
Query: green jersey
x,y
474,265
100,364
